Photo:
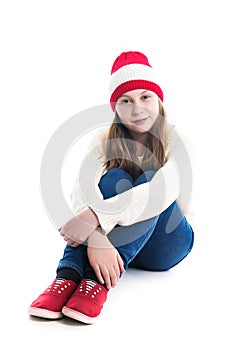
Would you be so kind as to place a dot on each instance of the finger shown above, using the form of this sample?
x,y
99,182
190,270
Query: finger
x,y
62,233
117,270
70,242
74,244
98,273
113,276
105,274
121,263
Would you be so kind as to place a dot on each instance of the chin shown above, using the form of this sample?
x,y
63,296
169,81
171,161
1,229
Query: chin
x,y
141,130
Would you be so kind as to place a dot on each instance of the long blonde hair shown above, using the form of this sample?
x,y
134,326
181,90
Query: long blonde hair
x,y
120,151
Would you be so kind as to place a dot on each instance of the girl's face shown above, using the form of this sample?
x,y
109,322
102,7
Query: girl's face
x,y
138,110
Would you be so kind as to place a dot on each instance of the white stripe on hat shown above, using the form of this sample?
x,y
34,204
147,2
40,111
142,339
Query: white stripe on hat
x,y
130,72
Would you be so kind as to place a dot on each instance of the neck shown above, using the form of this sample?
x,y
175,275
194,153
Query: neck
x,y
141,140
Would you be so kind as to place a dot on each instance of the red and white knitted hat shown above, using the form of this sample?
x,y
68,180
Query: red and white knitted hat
x,y
131,71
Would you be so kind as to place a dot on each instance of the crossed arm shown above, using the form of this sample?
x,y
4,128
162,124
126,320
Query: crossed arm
x,y
103,257
143,202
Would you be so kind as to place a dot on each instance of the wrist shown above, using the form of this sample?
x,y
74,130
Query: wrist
x,y
94,218
98,239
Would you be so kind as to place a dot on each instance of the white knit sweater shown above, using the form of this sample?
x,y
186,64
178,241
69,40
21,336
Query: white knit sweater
x,y
139,203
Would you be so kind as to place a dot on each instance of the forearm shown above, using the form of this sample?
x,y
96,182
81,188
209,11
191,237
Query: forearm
x,y
98,239
79,227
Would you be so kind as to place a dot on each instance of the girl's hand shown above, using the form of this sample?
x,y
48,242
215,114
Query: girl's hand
x,y
104,259
79,228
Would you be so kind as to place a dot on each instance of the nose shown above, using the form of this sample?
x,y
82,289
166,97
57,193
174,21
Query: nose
x,y
137,109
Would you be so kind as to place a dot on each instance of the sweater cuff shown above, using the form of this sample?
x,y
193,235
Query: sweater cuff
x,y
106,223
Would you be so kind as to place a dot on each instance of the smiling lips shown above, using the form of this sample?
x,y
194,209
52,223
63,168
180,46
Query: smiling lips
x,y
140,121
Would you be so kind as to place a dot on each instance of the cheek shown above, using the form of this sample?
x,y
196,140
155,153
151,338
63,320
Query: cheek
x,y
125,121
155,107
124,115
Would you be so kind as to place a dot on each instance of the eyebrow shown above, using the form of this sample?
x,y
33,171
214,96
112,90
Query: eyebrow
x,y
125,95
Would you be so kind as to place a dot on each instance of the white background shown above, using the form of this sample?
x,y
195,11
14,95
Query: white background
x,y
56,58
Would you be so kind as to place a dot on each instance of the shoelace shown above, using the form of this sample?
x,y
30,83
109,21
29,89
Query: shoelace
x,y
90,284
53,287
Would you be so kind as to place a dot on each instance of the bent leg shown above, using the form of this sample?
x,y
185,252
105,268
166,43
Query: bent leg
x,y
165,250
74,258
115,181
128,240
111,183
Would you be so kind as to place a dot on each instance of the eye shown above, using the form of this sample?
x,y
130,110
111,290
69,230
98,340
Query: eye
x,y
125,101
145,97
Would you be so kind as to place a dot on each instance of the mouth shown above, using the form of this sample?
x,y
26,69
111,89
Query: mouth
x,y
140,121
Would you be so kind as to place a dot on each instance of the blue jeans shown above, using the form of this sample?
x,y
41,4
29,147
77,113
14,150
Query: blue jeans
x,y
144,245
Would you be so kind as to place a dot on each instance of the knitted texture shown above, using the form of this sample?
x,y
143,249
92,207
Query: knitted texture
x,y
131,71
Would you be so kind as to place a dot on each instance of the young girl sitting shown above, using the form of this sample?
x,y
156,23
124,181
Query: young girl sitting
x,y
137,157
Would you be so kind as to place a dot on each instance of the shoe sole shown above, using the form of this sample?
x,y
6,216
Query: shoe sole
x,y
78,316
43,313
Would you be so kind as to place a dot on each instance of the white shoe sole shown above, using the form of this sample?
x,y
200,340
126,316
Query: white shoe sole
x,y
78,316
52,315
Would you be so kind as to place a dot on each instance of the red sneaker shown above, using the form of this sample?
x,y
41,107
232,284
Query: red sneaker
x,y
49,304
86,302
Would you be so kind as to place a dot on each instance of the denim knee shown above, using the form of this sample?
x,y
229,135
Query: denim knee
x,y
144,177
115,181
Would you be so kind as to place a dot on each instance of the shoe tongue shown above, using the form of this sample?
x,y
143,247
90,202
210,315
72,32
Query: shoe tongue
x,y
57,283
90,284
